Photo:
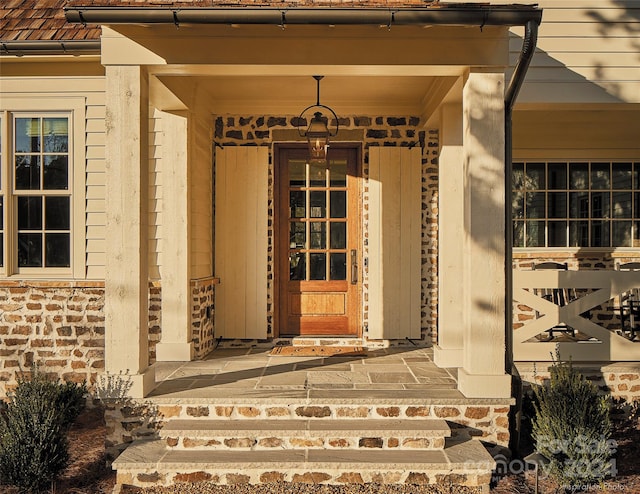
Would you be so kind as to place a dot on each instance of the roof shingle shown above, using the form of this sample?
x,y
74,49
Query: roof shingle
x,y
42,20
38,20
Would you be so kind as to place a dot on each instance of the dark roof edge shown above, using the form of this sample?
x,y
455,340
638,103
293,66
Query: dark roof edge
x,y
50,47
469,15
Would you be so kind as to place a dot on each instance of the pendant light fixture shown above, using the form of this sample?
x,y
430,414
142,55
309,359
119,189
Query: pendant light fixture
x,y
318,132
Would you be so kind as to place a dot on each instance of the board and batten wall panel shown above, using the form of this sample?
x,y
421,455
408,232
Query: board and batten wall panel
x,y
241,242
395,232
201,183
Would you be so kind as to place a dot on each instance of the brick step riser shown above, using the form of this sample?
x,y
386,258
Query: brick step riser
x,y
381,475
282,441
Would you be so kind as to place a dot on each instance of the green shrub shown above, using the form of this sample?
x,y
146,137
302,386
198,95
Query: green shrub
x,y
572,427
33,426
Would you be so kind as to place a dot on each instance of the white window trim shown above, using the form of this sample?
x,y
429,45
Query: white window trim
x,y
75,108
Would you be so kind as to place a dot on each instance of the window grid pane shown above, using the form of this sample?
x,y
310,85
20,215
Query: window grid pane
x,y
1,203
317,221
41,180
576,204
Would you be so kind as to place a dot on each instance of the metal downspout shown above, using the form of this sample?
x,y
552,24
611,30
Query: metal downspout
x,y
517,79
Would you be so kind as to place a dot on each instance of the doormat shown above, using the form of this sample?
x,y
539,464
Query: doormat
x,y
318,351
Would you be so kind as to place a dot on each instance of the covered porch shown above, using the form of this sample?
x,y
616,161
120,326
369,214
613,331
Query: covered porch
x,y
191,203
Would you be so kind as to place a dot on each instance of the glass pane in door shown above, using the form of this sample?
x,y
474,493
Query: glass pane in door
x,y
317,220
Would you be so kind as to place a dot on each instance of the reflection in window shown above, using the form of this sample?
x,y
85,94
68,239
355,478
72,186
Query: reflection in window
x,y
297,204
317,203
317,266
339,235
41,177
338,173
565,204
317,220
338,266
297,266
318,234
1,204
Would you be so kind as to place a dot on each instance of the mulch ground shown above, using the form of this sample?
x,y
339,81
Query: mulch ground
x,y
88,473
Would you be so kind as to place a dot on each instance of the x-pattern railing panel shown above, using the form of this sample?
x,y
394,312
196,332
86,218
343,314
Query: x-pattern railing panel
x,y
606,285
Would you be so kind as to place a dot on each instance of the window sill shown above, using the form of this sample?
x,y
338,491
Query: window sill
x,y
573,252
48,283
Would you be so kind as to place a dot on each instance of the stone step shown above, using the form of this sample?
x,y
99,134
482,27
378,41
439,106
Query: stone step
x,y
323,341
428,434
148,463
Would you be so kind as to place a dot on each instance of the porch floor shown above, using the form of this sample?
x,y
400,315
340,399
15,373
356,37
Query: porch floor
x,y
388,373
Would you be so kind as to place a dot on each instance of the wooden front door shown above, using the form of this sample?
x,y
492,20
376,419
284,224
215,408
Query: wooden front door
x,y
318,249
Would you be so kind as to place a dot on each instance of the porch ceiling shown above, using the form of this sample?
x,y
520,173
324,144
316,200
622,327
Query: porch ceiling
x,y
290,94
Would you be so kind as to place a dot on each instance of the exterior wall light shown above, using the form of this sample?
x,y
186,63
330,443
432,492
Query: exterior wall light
x,y
318,132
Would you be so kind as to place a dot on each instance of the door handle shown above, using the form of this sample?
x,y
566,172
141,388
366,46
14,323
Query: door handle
x,y
354,266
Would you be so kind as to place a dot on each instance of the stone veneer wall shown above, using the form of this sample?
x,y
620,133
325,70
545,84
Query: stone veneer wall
x,y
57,325
202,315
621,380
155,318
485,420
405,131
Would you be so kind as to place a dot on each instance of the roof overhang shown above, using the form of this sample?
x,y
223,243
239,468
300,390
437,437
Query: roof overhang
x,y
479,15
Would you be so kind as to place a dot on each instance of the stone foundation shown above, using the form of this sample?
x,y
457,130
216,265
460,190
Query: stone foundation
x,y
57,325
621,380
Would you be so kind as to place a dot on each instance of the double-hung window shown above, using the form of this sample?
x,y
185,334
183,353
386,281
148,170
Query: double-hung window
x,y
576,204
35,193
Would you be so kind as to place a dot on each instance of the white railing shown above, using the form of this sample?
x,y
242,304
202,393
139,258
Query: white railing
x,y
599,288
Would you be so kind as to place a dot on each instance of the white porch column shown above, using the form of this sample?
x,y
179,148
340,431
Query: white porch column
x,y
483,290
451,235
176,343
127,279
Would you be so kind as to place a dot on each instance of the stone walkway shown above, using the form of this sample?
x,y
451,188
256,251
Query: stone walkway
x,y
404,372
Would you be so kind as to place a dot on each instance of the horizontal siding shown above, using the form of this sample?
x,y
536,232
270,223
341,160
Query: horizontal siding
x,y
613,132
96,246
587,51
95,210
95,205
155,196
96,232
